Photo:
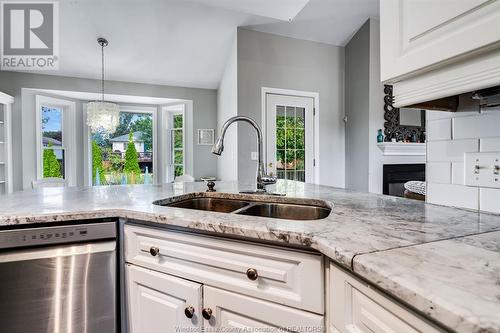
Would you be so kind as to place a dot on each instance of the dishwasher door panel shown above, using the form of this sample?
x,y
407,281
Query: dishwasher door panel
x,y
60,289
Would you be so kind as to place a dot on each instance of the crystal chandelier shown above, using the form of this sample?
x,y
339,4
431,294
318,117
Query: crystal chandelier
x,y
103,116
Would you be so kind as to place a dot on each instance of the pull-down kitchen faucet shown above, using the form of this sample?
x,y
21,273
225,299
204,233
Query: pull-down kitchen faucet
x,y
262,178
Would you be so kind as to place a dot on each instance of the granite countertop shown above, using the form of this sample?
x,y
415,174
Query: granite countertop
x,y
443,262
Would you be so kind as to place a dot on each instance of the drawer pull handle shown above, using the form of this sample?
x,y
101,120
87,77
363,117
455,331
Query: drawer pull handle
x,y
189,312
154,251
252,274
206,313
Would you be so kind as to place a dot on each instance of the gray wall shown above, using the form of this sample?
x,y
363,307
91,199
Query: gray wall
x,y
357,76
204,110
227,107
376,111
364,105
266,60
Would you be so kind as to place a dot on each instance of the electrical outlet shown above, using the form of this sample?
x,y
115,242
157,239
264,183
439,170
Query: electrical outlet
x,y
482,169
254,156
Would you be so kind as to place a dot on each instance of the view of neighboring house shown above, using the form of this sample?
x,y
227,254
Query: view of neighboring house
x,y
46,141
120,142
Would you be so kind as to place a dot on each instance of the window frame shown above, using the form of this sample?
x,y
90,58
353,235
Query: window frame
x,y
123,108
166,109
171,154
68,128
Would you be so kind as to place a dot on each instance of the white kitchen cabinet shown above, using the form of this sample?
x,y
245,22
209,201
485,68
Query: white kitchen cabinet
x,y
157,302
6,143
353,306
433,49
417,34
290,277
234,311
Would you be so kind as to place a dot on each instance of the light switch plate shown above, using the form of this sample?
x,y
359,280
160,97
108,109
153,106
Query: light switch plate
x,y
482,169
254,156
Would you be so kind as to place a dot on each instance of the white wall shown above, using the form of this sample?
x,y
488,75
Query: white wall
x,y
449,136
227,107
266,60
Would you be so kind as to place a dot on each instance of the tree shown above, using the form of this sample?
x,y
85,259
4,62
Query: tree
x,y
51,166
144,124
131,167
97,163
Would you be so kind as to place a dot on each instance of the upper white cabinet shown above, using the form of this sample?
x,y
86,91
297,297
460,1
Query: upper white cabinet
x,y
432,49
416,34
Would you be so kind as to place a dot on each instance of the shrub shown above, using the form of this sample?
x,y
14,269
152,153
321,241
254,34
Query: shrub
x,y
51,166
131,168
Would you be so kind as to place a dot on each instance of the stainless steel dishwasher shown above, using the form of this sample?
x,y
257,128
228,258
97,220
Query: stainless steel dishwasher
x,y
59,279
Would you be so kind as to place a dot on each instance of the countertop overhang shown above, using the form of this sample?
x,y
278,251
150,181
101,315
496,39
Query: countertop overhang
x,y
443,262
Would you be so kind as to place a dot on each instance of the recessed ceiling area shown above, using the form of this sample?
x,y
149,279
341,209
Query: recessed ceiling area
x,y
327,21
187,42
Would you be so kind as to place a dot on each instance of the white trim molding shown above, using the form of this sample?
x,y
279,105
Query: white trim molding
x,y
402,149
288,92
479,72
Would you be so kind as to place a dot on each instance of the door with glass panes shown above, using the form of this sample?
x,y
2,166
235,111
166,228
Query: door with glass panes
x,y
289,137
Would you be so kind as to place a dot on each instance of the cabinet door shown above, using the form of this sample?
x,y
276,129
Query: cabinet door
x,y
355,307
232,311
417,34
156,302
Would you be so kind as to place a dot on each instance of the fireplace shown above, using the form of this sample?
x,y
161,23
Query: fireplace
x,y
396,175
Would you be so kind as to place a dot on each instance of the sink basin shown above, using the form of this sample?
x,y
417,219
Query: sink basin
x,y
211,204
264,206
286,211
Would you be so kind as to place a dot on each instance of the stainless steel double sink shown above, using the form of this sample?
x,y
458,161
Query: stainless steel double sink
x,y
283,208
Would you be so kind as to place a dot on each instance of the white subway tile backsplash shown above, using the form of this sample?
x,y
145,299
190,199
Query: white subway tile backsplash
x,y
480,126
438,172
438,129
450,151
453,195
489,200
457,173
434,115
449,136
489,144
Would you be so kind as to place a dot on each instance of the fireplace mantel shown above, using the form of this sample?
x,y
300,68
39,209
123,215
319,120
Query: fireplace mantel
x,y
402,149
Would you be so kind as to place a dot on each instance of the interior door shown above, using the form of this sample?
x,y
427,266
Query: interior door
x,y
290,137
157,302
233,312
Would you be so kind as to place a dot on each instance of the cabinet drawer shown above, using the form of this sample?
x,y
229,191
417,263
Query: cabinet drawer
x,y
232,312
288,277
355,307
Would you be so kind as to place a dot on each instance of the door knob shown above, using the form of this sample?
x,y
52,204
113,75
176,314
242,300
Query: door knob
x,y
189,312
154,251
252,274
206,313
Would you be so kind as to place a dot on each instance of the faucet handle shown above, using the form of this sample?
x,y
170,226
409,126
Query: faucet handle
x,y
210,183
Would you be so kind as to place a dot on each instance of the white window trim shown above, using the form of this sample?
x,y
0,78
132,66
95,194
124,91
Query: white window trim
x,y
123,108
170,129
188,137
69,131
315,96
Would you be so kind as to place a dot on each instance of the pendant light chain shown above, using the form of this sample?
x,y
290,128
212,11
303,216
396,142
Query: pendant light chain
x,y
102,71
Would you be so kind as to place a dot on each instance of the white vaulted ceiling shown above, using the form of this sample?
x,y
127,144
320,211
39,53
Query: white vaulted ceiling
x,y
186,42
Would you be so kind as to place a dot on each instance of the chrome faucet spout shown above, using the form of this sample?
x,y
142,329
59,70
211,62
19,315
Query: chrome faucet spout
x,y
262,178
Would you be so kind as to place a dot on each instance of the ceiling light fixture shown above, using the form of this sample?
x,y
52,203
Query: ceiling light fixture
x,y
103,116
